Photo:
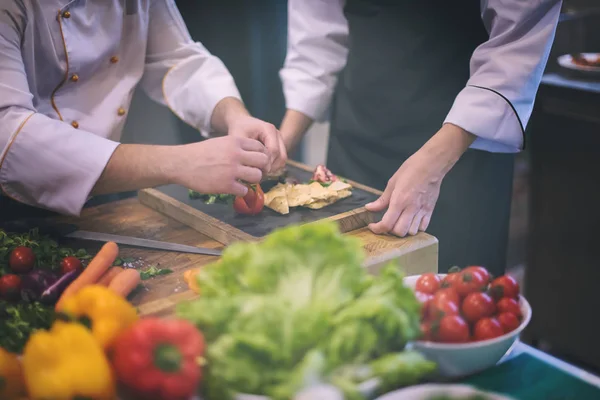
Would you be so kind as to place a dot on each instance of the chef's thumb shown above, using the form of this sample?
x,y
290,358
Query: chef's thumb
x,y
380,204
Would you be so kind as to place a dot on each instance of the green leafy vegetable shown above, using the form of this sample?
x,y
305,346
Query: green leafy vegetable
x,y
18,321
154,271
298,309
211,198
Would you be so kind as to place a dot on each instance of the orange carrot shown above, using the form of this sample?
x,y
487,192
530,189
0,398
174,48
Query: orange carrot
x,y
93,272
125,282
109,276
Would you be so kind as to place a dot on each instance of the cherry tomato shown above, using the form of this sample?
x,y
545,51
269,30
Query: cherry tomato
x,y
69,264
484,272
487,328
477,305
21,260
508,321
451,280
428,283
453,329
444,302
508,304
424,299
504,286
10,286
470,282
252,203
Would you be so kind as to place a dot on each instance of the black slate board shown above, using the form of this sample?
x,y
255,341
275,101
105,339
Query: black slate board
x,y
268,220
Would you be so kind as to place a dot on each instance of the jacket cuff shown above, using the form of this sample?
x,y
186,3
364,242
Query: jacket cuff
x,y
306,94
491,117
193,87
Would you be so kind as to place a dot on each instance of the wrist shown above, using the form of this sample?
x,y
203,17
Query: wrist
x,y
293,127
446,147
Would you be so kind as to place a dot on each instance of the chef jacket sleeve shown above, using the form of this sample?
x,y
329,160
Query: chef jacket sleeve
x,y
43,162
506,71
180,73
317,51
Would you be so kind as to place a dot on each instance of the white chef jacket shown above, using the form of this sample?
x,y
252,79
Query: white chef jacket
x,y
68,70
496,103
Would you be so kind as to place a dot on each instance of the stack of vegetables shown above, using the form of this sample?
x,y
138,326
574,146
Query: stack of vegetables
x,y
97,346
35,272
298,309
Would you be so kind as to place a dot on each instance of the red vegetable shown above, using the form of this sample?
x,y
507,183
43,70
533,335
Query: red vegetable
x,y
444,302
507,304
469,282
487,328
21,260
428,283
481,270
476,306
451,280
69,264
504,286
508,321
158,359
252,203
453,329
425,300
10,287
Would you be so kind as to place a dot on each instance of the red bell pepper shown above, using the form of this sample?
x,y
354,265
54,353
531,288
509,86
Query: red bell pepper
x,y
252,203
159,359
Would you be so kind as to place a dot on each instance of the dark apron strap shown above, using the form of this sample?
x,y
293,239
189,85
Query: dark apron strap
x,y
407,62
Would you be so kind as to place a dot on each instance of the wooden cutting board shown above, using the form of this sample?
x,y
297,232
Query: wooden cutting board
x,y
221,223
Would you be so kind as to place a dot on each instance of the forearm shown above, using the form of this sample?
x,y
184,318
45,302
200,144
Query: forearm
x,y
293,127
134,167
225,112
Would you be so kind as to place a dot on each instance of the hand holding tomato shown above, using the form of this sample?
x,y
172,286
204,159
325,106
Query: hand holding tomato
x,y
252,203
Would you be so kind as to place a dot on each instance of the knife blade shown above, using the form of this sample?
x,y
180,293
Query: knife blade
x,y
139,242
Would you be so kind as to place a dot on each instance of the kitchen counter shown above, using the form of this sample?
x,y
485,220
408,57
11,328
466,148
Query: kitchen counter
x,y
416,255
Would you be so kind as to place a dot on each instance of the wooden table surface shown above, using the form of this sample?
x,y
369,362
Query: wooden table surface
x,y
417,254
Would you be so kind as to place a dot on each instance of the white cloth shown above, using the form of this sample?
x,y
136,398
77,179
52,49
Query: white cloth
x,y
509,66
66,81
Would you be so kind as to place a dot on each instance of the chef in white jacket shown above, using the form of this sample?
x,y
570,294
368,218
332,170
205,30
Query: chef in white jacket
x,y
68,70
429,102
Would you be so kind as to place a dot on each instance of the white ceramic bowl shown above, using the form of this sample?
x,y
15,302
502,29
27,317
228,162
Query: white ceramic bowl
x,y
428,391
462,359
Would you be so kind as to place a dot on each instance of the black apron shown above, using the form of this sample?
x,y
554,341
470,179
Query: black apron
x,y
407,62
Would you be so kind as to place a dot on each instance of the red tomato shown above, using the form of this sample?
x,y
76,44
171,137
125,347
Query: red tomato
x,y
484,272
487,328
469,282
444,302
424,299
451,280
252,203
69,264
10,286
508,321
21,260
428,283
504,286
508,304
477,305
453,329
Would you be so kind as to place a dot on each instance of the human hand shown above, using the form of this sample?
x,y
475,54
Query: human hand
x,y
246,126
218,165
411,194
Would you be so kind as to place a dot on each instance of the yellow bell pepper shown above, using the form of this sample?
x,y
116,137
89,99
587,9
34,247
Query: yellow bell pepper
x,y
12,385
65,363
106,313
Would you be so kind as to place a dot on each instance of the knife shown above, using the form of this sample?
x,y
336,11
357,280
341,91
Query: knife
x,y
72,232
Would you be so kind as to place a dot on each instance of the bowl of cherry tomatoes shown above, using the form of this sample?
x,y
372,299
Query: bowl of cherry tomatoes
x,y
469,320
